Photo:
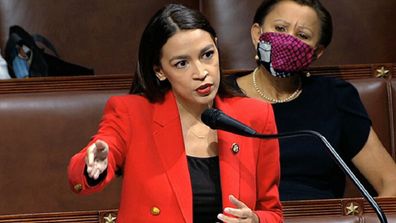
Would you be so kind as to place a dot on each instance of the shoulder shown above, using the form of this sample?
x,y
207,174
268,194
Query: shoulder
x,y
246,103
128,98
344,91
247,110
331,82
127,103
330,87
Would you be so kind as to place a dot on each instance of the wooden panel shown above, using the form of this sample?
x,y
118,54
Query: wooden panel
x,y
123,81
362,31
330,209
57,84
335,207
100,34
77,216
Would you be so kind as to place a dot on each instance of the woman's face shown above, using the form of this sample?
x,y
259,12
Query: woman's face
x,y
190,62
297,20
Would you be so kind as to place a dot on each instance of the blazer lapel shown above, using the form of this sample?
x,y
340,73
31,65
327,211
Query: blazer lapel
x,y
169,142
168,138
229,160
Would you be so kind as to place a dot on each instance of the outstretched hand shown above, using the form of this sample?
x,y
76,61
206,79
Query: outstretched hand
x,y
96,158
241,213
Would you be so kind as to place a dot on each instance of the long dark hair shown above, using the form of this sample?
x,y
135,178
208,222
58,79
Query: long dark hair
x,y
324,16
163,25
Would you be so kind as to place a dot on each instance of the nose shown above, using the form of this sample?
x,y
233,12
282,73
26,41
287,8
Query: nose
x,y
201,73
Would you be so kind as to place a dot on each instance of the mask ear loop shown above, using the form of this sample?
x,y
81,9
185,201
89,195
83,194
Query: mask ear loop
x,y
257,58
315,57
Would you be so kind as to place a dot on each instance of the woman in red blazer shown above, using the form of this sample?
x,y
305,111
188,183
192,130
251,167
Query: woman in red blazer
x,y
175,168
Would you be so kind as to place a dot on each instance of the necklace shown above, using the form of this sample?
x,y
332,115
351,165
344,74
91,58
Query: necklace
x,y
274,100
199,136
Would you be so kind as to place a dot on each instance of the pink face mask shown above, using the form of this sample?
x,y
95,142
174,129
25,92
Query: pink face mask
x,y
282,54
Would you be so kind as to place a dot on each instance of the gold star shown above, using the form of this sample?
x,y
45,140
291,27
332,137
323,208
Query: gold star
x,y
382,72
352,209
110,219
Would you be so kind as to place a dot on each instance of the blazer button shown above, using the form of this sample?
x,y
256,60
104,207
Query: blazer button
x,y
155,211
235,148
78,187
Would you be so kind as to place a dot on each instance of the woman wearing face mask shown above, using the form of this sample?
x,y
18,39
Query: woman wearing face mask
x,y
289,35
176,169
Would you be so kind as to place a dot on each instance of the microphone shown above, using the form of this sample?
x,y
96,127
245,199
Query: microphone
x,y
216,119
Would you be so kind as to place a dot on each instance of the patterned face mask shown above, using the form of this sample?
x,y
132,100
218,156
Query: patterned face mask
x,y
282,54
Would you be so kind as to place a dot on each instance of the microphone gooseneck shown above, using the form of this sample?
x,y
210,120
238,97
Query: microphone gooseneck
x,y
216,119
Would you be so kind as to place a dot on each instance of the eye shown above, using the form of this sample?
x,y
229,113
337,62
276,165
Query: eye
x,y
208,54
303,36
281,29
181,64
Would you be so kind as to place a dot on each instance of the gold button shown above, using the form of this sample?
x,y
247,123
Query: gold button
x,y
78,187
155,211
235,148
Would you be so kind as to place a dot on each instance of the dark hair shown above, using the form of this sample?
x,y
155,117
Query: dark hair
x,y
325,18
163,25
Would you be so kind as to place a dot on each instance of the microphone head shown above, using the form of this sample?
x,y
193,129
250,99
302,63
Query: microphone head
x,y
209,117
216,119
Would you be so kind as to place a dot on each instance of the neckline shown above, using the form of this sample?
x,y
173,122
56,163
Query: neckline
x,y
291,97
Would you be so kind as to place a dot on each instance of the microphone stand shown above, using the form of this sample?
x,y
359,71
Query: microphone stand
x,y
338,160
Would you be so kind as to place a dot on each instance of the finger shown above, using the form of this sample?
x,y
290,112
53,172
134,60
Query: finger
x,y
91,154
239,204
96,174
239,213
91,173
89,170
228,219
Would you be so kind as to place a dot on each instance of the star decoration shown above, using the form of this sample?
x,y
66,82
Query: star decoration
x,y
110,218
382,72
352,209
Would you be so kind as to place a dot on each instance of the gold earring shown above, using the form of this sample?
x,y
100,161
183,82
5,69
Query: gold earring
x,y
256,57
160,77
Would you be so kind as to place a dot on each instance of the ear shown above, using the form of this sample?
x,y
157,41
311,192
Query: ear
x,y
319,51
255,33
159,73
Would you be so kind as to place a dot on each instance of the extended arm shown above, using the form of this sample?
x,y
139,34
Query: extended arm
x,y
375,163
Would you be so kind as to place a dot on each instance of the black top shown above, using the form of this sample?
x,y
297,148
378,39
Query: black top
x,y
205,182
333,108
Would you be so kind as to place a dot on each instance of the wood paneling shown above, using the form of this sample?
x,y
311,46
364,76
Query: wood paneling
x,y
331,210
363,31
99,34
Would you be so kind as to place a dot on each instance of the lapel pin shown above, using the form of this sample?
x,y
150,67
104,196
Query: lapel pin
x,y
235,148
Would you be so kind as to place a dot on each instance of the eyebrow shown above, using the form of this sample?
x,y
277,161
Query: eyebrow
x,y
305,27
183,57
281,20
298,26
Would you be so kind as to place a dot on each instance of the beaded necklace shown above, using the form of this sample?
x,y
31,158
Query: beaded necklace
x,y
291,97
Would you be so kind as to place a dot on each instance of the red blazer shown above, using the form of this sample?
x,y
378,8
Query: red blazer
x,y
145,140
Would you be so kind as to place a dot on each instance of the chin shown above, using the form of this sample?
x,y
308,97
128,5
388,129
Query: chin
x,y
206,99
